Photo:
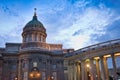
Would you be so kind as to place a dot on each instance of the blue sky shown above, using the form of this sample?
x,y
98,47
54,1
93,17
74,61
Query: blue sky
x,y
73,23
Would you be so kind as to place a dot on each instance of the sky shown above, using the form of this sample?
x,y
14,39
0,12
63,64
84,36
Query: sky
x,y
73,23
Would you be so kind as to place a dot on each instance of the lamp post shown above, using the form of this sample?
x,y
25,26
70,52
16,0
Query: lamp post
x,y
34,74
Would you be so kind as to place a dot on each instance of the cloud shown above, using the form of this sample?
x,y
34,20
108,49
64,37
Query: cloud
x,y
9,10
112,31
79,23
12,36
89,26
74,23
2,40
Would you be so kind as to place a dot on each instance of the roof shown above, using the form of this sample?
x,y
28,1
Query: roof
x,y
34,24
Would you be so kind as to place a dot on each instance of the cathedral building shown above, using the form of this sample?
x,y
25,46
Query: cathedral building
x,y
34,59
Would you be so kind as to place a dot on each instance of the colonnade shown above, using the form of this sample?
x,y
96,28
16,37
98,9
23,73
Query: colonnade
x,y
34,37
95,68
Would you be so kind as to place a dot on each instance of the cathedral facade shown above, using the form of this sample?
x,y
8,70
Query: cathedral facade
x,y
33,59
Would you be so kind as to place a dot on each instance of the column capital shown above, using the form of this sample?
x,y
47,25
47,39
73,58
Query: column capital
x,y
97,60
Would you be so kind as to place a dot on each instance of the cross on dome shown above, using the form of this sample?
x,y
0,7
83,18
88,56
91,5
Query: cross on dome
x,y
35,11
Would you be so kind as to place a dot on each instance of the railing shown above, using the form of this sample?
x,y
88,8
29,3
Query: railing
x,y
95,47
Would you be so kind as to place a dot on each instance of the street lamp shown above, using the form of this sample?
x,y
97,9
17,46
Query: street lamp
x,y
88,65
34,74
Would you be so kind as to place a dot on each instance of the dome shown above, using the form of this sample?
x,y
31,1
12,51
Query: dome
x,y
34,24
34,34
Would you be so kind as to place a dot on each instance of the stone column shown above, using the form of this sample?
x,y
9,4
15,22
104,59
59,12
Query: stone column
x,y
70,72
114,67
84,72
78,71
27,62
103,73
48,67
75,71
32,37
37,37
1,69
41,38
19,69
106,68
62,70
98,69
5,70
92,70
